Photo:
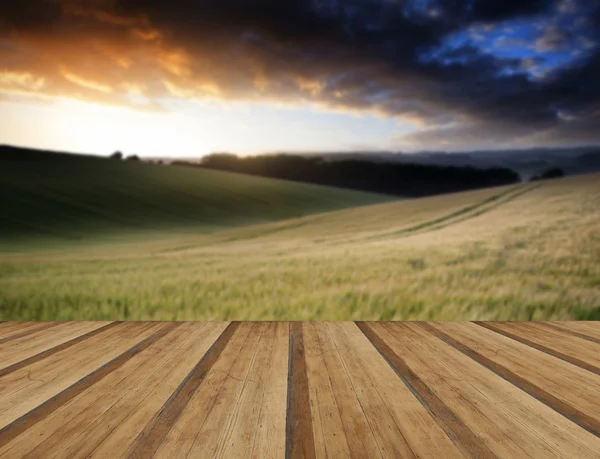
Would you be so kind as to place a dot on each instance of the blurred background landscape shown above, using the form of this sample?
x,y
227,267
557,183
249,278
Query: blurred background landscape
x,y
300,159
86,237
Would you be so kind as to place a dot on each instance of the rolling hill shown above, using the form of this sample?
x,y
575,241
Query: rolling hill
x,y
522,252
58,197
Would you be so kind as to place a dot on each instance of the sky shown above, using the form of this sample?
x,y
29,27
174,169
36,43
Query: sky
x,y
191,77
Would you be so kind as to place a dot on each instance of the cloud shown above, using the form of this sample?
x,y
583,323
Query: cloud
x,y
359,56
21,81
78,80
567,6
507,42
553,39
587,43
495,10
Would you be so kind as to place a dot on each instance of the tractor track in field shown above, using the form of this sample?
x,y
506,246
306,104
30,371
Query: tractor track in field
x,y
466,213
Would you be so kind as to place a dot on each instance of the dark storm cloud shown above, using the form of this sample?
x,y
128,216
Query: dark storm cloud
x,y
353,55
553,39
496,10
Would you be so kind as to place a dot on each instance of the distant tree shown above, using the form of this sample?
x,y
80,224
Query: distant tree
x,y
555,172
133,158
116,155
391,178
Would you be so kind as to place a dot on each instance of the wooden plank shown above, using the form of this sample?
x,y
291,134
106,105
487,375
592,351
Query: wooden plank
x,y
126,432
401,425
208,410
328,428
154,433
565,329
580,329
26,347
359,435
300,442
54,350
581,348
270,439
455,428
509,421
302,389
146,381
12,328
212,435
42,382
26,331
532,336
38,370
61,428
251,413
542,376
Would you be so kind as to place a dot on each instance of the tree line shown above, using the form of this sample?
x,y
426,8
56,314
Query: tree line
x,y
411,180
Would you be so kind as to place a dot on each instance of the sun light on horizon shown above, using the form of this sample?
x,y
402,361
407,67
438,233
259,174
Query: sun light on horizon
x,y
188,129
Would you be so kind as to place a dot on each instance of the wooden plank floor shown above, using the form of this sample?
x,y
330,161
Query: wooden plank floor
x,y
299,389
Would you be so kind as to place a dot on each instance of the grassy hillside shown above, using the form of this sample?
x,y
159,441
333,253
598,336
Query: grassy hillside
x,y
528,251
47,197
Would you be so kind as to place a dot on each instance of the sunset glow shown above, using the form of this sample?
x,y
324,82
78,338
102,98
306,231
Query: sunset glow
x,y
194,77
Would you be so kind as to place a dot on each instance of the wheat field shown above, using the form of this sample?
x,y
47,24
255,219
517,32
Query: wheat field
x,y
524,252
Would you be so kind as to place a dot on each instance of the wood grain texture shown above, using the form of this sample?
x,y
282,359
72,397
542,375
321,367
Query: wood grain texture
x,y
454,427
26,388
225,370
299,390
300,442
567,328
114,411
215,430
491,407
270,437
402,426
12,328
328,429
354,423
22,354
148,441
24,422
581,408
591,329
27,330
531,335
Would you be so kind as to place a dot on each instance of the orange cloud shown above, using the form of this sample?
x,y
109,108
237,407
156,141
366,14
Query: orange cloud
x,y
101,53
260,81
21,81
85,82
312,87
146,34
175,61
178,91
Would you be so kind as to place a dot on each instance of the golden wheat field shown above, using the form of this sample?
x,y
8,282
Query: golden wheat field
x,y
524,252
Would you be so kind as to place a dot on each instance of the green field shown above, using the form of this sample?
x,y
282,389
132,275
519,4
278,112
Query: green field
x,y
56,198
138,241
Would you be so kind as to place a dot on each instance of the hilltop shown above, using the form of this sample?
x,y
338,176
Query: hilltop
x,y
59,196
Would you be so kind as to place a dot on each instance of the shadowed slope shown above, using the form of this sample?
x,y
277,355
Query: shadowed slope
x,y
74,197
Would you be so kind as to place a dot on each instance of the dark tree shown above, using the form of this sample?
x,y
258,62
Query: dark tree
x,y
549,174
133,158
553,173
116,155
390,178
